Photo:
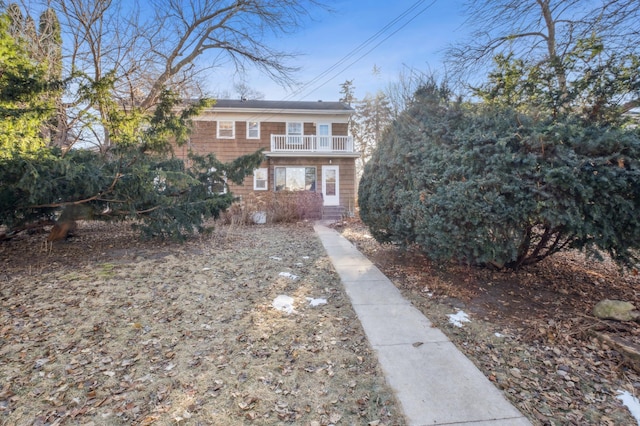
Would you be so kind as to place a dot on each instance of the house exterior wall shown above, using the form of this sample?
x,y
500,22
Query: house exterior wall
x,y
347,175
204,140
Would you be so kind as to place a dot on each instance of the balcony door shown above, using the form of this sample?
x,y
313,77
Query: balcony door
x,y
324,136
331,185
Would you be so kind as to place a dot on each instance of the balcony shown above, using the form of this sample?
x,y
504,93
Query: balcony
x,y
312,144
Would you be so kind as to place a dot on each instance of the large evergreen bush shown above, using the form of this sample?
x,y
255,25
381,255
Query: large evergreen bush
x,y
159,194
490,186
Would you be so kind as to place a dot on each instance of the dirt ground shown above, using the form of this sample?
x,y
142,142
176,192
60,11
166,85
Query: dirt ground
x,y
106,329
530,332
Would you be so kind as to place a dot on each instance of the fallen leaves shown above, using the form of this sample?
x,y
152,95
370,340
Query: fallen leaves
x,y
157,334
247,403
528,331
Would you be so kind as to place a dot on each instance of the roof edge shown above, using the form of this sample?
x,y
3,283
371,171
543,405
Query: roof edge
x,y
255,105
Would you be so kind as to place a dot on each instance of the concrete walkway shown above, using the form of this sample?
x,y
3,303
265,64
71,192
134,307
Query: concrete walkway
x,y
433,381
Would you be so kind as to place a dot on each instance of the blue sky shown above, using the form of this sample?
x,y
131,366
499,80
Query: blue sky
x,y
331,40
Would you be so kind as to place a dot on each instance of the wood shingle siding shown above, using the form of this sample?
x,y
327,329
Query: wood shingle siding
x,y
203,141
347,166
273,117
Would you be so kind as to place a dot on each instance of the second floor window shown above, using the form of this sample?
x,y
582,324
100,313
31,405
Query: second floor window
x,y
226,130
253,130
294,132
294,128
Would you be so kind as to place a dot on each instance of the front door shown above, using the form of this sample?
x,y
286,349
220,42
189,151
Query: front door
x,y
331,185
324,136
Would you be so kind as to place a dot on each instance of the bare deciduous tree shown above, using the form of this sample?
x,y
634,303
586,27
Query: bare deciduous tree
x,y
548,34
373,115
401,92
245,91
122,54
543,28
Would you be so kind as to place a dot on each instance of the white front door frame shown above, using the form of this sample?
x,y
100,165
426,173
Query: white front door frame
x,y
331,185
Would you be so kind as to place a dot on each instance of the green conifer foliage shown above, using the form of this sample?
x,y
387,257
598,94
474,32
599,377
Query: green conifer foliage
x,y
165,199
138,179
22,108
488,185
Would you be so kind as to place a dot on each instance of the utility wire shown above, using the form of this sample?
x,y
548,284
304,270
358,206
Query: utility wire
x,y
411,9
361,47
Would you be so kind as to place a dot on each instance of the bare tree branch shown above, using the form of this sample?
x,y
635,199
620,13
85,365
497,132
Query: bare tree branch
x,y
516,26
145,46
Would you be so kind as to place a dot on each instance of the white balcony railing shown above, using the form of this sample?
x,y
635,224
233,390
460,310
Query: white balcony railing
x,y
311,143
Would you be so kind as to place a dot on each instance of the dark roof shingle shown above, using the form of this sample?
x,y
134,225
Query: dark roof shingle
x,y
283,105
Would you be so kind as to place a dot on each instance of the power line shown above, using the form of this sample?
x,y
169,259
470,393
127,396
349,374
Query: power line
x,y
361,47
363,44
297,93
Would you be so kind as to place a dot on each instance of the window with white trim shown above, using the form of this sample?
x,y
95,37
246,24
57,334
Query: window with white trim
x,y
253,130
295,178
226,129
217,184
294,132
260,179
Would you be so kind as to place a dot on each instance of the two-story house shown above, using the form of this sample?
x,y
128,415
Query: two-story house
x,y
307,147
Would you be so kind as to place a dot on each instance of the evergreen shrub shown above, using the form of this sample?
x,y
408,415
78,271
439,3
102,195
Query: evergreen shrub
x,y
492,186
160,195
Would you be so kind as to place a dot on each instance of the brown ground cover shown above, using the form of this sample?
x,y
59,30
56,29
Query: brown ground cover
x,y
530,332
107,330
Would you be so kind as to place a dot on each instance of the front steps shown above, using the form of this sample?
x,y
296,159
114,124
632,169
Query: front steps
x,y
333,213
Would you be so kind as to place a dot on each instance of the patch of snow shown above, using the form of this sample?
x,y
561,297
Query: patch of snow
x,y
316,302
275,258
146,378
458,318
284,303
305,257
426,290
206,269
288,275
40,363
632,403
499,335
